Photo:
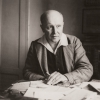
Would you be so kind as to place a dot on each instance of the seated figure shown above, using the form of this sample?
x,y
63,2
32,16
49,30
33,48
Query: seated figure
x,y
56,56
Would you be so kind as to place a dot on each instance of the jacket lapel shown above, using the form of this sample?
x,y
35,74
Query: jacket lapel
x,y
42,58
68,55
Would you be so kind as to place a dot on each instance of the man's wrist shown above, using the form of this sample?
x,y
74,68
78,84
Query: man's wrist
x,y
66,78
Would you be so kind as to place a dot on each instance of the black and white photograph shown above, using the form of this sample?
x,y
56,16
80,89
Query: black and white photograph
x,y
49,49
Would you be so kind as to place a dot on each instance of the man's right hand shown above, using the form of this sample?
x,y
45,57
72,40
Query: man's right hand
x,y
35,77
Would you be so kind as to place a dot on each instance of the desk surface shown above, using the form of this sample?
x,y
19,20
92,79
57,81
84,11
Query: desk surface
x,y
16,95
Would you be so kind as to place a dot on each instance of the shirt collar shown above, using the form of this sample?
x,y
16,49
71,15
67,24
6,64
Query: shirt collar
x,y
63,42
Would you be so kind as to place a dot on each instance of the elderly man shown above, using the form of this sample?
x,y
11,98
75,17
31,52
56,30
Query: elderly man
x,y
56,56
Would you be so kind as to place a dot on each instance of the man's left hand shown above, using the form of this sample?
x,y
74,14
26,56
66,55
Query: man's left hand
x,y
55,78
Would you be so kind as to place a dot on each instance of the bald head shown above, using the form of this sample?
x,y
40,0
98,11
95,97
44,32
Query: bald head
x,y
51,14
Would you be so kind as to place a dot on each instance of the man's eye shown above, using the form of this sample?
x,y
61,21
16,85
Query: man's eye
x,y
58,26
49,27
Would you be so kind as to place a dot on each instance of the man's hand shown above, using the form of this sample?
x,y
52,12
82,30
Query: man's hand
x,y
35,77
55,78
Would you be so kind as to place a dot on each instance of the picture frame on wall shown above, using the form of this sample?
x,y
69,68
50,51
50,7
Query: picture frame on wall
x,y
92,2
91,22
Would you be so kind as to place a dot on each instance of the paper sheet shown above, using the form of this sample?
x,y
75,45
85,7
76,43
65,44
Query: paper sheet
x,y
80,94
22,86
39,93
51,92
38,84
40,90
94,84
56,93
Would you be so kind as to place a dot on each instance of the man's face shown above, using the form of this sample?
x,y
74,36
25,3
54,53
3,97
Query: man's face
x,y
53,27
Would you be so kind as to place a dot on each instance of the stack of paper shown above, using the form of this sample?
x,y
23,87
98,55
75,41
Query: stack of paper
x,y
40,90
51,92
56,93
22,86
39,93
80,94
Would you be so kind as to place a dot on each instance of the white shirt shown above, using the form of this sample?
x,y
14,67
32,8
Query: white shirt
x,y
63,42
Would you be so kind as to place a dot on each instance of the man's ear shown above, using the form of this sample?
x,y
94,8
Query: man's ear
x,y
63,23
42,27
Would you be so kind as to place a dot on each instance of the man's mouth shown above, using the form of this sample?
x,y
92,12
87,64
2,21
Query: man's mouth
x,y
55,36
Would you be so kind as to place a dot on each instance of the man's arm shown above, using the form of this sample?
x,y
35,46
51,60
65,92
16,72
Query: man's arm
x,y
83,68
32,70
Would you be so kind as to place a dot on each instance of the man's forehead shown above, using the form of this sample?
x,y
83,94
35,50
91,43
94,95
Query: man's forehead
x,y
54,14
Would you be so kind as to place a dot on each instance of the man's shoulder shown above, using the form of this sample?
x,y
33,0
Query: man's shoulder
x,y
71,38
35,42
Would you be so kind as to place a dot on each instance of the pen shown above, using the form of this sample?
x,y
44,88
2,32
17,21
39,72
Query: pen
x,y
47,74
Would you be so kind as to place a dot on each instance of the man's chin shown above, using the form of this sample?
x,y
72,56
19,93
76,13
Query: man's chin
x,y
55,40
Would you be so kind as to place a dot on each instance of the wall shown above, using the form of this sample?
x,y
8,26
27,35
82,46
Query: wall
x,y
13,29
71,9
36,8
0,29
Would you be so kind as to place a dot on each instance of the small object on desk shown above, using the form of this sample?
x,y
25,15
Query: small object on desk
x,y
94,88
46,77
75,85
64,84
95,85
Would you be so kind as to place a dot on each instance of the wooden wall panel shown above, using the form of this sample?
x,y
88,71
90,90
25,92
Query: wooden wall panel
x,y
10,33
0,36
13,40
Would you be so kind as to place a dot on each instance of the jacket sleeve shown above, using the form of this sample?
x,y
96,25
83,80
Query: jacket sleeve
x,y
32,70
83,70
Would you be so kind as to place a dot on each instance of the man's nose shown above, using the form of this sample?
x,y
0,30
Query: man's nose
x,y
54,30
